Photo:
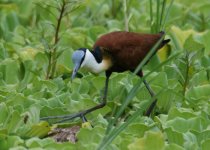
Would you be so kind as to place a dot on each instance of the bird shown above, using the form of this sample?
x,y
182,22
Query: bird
x,y
116,51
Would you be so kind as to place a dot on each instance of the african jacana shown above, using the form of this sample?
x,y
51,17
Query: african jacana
x,y
115,52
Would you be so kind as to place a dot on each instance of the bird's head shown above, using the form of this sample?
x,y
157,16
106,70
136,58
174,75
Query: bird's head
x,y
77,58
92,61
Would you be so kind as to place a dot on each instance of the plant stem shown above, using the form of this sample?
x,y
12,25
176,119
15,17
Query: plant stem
x,y
54,52
167,14
162,14
126,15
158,17
186,74
113,8
49,65
151,15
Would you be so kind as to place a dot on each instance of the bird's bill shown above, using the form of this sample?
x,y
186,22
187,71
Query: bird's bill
x,y
74,73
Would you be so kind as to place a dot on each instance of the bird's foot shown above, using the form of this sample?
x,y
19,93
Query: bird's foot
x,y
76,115
67,117
150,108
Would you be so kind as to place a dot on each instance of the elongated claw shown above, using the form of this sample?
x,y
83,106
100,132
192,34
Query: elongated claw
x,y
84,119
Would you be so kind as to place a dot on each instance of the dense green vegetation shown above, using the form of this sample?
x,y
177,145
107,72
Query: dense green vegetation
x,y
36,45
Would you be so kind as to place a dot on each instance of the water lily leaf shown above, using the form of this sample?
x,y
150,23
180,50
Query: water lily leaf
x,y
151,140
205,41
38,130
199,78
205,144
137,129
165,100
4,112
33,114
160,80
174,136
190,141
10,141
27,53
184,125
37,142
49,85
14,122
198,92
18,148
10,71
180,112
191,45
81,86
3,133
41,60
181,35
84,87
202,136
89,138
173,147
49,111
48,143
20,99
95,31
65,59
98,82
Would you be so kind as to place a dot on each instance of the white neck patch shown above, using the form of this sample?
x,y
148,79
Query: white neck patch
x,y
92,65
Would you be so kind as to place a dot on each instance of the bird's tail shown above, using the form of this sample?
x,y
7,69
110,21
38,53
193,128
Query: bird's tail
x,y
164,42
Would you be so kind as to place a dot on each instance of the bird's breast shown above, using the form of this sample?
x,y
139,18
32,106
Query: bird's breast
x,y
103,66
95,67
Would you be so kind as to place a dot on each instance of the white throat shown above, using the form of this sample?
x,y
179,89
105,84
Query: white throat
x,y
92,65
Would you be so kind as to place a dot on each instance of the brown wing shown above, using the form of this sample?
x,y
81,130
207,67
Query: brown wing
x,y
127,49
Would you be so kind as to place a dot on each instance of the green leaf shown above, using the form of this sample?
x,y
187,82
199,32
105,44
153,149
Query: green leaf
x,y
18,148
19,99
199,78
98,82
191,45
80,86
198,92
49,111
206,144
184,125
36,142
151,140
181,35
89,138
14,122
180,112
205,41
38,130
160,80
65,59
4,112
95,31
202,136
27,53
41,60
165,100
190,141
10,71
173,147
137,129
174,136
10,141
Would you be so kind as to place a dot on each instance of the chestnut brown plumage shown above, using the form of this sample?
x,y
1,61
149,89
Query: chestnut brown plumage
x,y
127,49
115,52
